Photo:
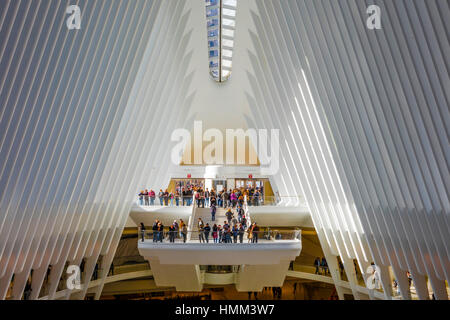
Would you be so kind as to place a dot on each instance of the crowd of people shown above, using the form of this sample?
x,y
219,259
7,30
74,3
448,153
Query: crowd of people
x,y
232,230
185,195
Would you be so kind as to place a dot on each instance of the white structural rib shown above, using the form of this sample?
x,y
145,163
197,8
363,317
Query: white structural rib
x,y
80,109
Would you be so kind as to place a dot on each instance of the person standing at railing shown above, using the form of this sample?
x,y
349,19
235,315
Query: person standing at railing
x,y
255,231
152,196
228,235
207,195
171,198
241,231
160,232
177,198
141,198
146,199
142,232
235,233
155,230
183,196
190,194
220,231
166,197
317,265
256,197
207,230
184,232
161,197
215,233
172,233
324,265
196,198
201,230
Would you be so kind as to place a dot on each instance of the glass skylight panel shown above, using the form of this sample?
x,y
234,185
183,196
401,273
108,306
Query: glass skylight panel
x,y
231,3
228,12
228,33
226,63
221,23
227,53
227,43
229,22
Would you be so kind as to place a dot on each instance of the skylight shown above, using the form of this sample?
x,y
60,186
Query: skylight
x,y
221,23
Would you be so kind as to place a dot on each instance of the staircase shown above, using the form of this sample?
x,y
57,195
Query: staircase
x,y
205,215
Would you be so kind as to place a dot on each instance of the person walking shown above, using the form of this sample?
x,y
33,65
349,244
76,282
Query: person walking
x,y
213,212
226,199
229,215
233,199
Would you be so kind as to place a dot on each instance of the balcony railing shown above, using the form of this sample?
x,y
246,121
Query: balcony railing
x,y
221,237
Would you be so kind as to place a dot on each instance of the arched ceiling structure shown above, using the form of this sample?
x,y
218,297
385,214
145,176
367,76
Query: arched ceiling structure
x,y
86,118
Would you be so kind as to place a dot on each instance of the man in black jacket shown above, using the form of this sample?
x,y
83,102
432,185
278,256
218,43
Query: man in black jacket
x,y
207,230
155,230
